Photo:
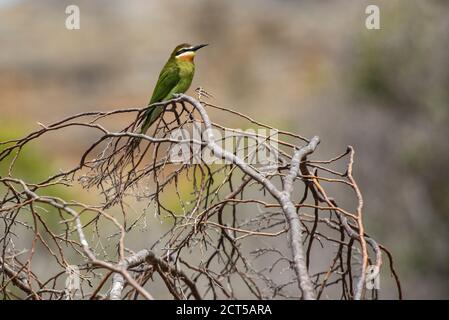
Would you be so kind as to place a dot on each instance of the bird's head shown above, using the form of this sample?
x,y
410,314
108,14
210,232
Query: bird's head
x,y
186,52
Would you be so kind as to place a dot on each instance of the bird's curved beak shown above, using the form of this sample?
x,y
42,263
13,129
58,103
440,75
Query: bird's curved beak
x,y
195,48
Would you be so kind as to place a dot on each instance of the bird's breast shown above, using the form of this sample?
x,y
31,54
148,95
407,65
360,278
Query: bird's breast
x,y
186,70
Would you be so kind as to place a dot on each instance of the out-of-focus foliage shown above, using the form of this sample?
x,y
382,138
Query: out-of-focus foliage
x,y
33,165
405,71
406,67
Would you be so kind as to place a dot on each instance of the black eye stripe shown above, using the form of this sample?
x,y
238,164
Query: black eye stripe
x,y
182,51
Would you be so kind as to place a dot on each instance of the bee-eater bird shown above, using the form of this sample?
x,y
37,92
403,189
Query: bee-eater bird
x,y
175,77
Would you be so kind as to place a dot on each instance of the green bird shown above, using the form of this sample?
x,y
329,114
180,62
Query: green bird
x,y
175,77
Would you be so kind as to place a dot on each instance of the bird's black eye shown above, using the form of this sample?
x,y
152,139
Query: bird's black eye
x,y
180,51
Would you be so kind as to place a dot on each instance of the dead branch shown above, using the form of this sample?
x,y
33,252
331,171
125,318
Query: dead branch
x,y
224,213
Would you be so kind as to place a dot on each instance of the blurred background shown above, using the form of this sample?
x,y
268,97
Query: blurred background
x,y
305,66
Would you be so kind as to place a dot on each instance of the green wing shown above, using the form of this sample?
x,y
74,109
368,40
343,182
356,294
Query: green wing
x,y
168,79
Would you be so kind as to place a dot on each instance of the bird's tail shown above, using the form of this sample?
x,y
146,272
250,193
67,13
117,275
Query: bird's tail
x,y
149,117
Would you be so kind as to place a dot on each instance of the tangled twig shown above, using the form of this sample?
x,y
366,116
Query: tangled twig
x,y
230,225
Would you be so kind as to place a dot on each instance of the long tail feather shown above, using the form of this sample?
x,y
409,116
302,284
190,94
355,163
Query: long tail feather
x,y
150,116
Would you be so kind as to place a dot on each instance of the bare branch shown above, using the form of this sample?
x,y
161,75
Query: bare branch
x,y
217,222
